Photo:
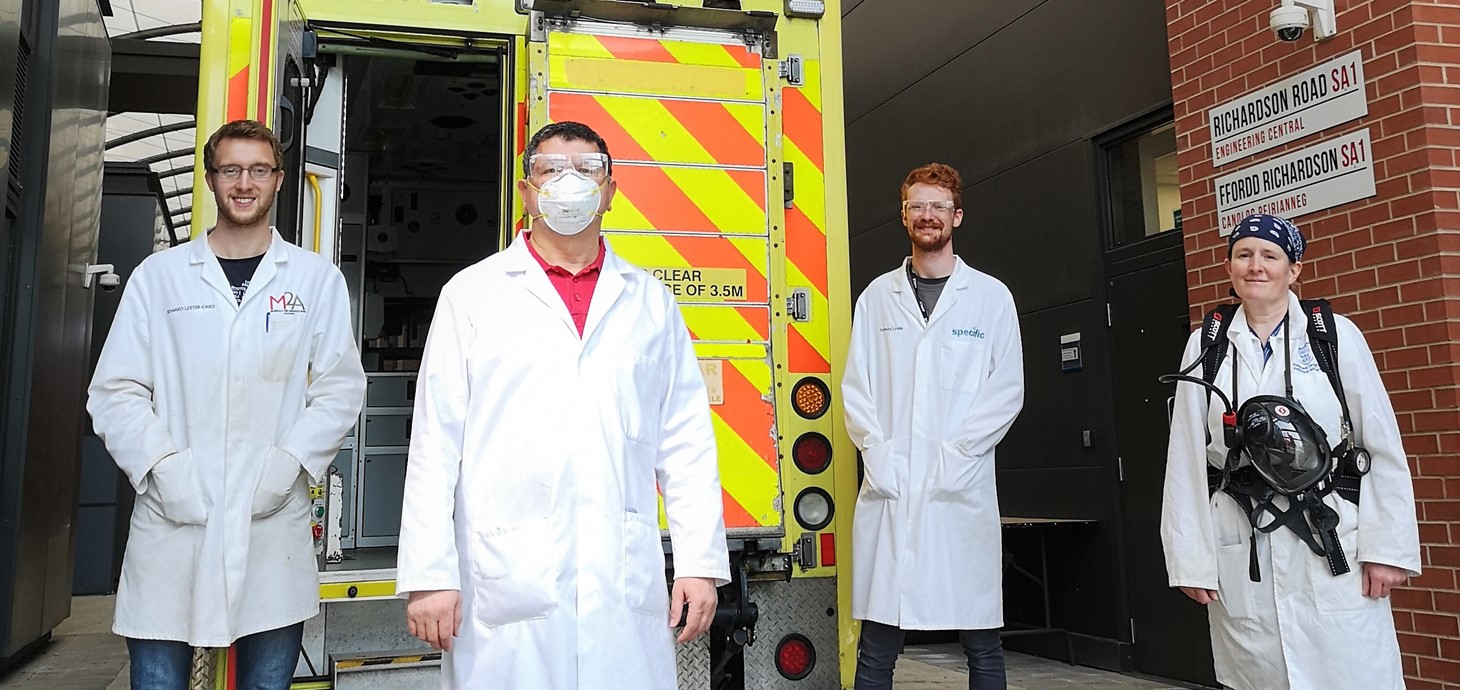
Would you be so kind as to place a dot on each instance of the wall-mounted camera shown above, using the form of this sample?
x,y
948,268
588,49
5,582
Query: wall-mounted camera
x,y
105,275
1293,17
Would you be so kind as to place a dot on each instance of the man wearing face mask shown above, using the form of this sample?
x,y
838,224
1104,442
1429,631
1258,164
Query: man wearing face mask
x,y
558,391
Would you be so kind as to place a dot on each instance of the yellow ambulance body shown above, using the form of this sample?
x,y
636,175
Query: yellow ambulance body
x,y
405,122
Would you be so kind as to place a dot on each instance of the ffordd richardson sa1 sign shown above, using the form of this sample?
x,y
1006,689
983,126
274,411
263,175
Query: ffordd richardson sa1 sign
x,y
1330,94
1304,181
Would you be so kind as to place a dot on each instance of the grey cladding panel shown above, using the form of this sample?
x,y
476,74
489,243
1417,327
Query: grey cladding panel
x,y
890,44
1037,228
1065,71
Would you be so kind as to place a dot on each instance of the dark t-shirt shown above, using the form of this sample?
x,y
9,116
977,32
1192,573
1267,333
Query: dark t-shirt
x,y
240,272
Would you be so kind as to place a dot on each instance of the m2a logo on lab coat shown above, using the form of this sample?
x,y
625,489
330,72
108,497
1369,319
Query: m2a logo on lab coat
x,y
287,302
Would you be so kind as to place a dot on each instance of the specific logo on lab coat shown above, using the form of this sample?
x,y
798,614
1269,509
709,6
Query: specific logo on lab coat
x,y
968,333
287,302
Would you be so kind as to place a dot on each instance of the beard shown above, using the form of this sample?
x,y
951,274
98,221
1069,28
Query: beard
x,y
263,201
931,237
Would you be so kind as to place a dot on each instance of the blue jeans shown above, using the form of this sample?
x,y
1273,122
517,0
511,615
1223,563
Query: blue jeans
x,y
265,661
880,644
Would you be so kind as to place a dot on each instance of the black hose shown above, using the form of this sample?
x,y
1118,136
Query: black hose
x,y
1173,378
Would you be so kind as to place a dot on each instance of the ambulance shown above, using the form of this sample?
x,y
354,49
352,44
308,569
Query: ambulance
x,y
404,124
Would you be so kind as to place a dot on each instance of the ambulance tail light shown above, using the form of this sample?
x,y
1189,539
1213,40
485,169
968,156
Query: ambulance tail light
x,y
795,656
810,397
813,508
812,453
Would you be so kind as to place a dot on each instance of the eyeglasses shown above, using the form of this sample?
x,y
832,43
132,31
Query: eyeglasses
x,y
592,165
257,172
938,207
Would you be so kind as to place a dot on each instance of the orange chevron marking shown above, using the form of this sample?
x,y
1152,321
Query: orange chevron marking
x,y
564,107
735,514
802,125
758,318
636,49
803,358
238,95
718,131
806,247
743,56
718,252
748,414
660,200
753,182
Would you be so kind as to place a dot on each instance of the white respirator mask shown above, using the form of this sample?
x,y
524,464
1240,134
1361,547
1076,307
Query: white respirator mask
x,y
569,202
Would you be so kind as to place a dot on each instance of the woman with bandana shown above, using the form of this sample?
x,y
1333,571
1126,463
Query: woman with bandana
x,y
1280,618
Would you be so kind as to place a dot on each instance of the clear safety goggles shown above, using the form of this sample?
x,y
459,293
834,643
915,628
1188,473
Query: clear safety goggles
x,y
938,208
594,166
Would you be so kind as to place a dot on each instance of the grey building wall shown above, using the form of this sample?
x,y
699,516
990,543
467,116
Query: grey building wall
x,y
1013,94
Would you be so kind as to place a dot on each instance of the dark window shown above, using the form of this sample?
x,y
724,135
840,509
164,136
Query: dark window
x,y
1145,194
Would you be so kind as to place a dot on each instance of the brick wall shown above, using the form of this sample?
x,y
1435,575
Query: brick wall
x,y
1390,262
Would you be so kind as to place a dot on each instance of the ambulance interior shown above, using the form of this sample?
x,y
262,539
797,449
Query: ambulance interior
x,y
423,196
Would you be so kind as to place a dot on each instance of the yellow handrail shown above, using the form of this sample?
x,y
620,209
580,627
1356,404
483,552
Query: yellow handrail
x,y
318,207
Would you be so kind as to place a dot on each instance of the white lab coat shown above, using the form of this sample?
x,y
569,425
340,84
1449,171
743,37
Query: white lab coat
x,y
926,404
532,476
1300,627
212,409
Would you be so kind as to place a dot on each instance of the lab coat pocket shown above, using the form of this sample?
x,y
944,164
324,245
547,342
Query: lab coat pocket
x,y
645,588
174,491
278,482
957,474
514,572
640,397
964,364
279,344
1234,585
879,473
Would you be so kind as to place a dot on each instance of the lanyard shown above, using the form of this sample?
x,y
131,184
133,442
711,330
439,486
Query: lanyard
x,y
912,279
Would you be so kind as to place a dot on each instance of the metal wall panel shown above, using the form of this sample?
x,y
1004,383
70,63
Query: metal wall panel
x,y
53,316
9,45
1012,94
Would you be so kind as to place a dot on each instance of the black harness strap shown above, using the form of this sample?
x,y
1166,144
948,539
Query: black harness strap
x,y
1313,521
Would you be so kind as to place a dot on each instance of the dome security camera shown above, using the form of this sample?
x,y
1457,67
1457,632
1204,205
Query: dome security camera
x,y
1289,22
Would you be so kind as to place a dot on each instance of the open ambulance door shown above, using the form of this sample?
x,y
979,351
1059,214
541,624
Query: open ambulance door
x,y
685,101
256,61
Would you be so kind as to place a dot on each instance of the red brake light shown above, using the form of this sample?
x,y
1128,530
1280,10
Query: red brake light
x,y
811,453
795,657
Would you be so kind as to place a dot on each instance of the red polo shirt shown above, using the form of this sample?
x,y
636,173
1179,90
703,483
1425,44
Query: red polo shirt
x,y
575,289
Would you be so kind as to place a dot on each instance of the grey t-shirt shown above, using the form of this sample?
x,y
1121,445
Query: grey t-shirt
x,y
929,289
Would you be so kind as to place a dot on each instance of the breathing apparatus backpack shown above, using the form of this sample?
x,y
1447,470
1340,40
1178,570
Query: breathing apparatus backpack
x,y
1287,452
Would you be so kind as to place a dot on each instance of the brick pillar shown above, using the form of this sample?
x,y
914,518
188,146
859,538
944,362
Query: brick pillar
x,y
1390,262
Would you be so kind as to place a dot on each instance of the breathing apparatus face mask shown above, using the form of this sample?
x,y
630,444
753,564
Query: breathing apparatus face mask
x,y
568,202
1283,443
1274,433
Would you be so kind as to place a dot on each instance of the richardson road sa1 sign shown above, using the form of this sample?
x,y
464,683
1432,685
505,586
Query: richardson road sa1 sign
x,y
1330,94
1304,181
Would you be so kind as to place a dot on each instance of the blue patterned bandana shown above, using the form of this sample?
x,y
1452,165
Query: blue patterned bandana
x,y
1273,229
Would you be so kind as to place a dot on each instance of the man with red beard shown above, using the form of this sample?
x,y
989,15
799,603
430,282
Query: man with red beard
x,y
935,378
227,383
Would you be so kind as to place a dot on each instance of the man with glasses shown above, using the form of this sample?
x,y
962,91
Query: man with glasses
x,y
559,389
228,381
935,378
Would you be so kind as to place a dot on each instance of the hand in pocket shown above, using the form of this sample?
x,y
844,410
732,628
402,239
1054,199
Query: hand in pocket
x,y
175,489
277,482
